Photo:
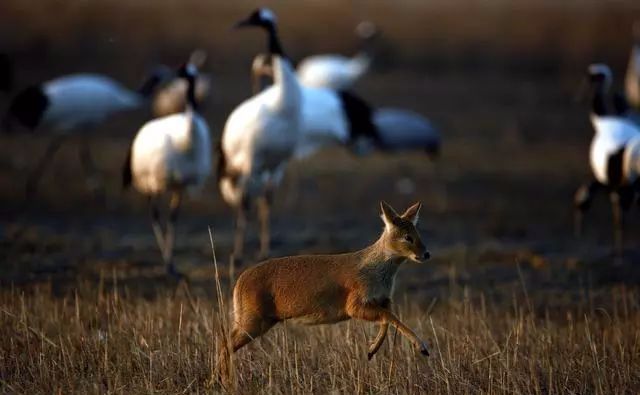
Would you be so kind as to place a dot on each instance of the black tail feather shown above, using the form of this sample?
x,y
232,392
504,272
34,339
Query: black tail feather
x,y
615,171
359,115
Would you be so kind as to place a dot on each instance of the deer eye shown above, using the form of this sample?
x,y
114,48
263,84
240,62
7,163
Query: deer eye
x,y
408,239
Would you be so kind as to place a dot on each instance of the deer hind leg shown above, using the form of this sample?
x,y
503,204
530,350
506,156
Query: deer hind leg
x,y
370,312
243,333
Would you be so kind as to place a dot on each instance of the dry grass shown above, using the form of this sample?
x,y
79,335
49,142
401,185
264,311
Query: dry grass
x,y
110,341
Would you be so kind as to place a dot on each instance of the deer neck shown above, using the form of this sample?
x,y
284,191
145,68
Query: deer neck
x,y
378,254
377,271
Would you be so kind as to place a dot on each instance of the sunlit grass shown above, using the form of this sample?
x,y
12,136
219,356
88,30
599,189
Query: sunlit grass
x,y
104,341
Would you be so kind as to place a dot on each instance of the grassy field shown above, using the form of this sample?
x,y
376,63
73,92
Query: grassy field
x,y
105,340
510,303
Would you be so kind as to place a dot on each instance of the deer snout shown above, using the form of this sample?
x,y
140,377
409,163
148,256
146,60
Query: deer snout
x,y
421,257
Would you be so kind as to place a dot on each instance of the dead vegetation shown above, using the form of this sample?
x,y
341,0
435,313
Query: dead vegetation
x,y
108,339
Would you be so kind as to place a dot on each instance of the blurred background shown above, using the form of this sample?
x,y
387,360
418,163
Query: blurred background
x,y
499,78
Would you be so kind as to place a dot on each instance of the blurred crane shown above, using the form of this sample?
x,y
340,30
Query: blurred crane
x,y
171,96
71,105
278,123
614,156
338,72
331,71
170,155
259,138
394,129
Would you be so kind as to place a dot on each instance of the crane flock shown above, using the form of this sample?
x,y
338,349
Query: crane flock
x,y
292,114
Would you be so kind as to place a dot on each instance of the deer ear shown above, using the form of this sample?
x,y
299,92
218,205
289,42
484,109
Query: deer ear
x,y
413,213
388,214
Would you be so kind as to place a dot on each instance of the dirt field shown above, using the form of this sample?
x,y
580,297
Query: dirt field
x,y
510,302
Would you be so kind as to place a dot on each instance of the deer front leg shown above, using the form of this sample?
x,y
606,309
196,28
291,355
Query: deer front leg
x,y
377,342
375,313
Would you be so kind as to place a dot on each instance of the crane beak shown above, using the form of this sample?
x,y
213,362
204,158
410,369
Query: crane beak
x,y
242,23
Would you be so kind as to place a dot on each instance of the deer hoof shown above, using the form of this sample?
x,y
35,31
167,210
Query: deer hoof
x,y
423,350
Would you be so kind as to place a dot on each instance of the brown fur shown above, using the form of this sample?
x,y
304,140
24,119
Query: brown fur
x,y
325,289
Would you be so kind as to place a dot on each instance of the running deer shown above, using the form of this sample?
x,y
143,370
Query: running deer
x,y
325,289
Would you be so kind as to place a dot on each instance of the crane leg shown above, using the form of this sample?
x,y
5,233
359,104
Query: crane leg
x,y
35,176
92,176
155,223
264,212
581,203
293,186
621,201
618,225
169,238
240,229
